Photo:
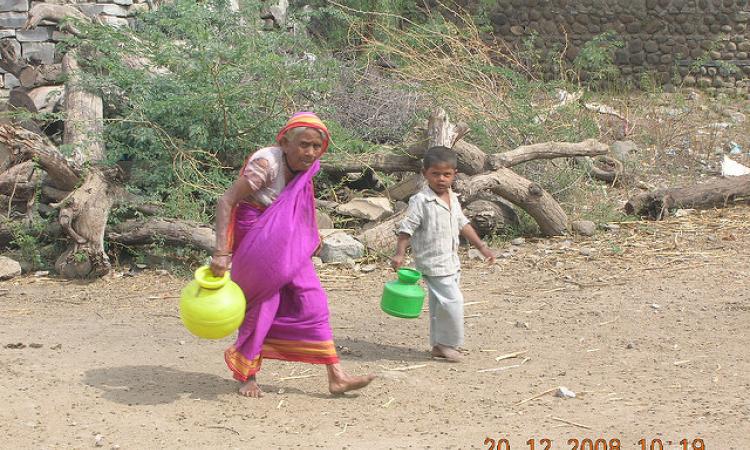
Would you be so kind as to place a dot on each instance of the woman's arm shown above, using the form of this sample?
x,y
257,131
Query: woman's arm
x,y
221,257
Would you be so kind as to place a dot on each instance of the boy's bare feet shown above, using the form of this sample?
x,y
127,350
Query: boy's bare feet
x,y
251,388
449,353
340,382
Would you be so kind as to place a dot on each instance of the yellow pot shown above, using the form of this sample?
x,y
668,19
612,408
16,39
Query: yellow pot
x,y
212,307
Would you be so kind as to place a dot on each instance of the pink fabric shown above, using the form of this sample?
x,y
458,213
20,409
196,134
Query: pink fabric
x,y
272,264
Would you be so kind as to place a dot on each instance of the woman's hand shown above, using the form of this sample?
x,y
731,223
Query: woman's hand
x,y
220,264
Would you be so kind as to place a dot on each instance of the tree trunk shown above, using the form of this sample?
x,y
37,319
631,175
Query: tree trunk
x,y
382,237
84,214
714,194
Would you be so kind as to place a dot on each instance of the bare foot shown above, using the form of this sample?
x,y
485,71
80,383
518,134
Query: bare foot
x,y
251,388
448,353
340,382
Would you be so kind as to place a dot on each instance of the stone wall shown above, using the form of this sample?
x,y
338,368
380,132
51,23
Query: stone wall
x,y
661,36
37,45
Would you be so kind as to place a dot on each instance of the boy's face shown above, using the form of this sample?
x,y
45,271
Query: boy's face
x,y
440,177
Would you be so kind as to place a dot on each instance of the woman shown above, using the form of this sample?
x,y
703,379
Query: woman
x,y
266,228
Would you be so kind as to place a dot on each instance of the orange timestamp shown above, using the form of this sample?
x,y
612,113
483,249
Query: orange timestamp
x,y
599,444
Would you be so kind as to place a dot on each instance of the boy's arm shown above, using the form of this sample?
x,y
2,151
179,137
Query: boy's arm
x,y
468,232
407,227
401,245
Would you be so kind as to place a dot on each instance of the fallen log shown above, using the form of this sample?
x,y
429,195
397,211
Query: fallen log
x,y
23,145
547,150
489,217
718,193
55,13
528,195
171,231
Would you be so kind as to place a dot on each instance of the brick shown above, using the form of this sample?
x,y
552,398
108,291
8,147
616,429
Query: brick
x,y
7,33
14,5
38,34
12,19
43,52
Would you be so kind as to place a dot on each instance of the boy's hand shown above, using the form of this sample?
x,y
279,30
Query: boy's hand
x,y
488,254
397,261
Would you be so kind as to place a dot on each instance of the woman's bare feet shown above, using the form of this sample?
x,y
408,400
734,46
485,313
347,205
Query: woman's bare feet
x,y
340,382
449,353
251,388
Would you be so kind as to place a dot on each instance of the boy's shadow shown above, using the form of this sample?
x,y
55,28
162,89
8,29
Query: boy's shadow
x,y
156,385
359,350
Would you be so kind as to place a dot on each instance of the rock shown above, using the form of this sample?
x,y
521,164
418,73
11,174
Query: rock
x,y
98,440
564,392
9,268
518,241
585,251
623,150
655,306
41,273
326,204
630,346
475,254
583,227
367,268
400,206
339,247
370,208
523,325
683,212
324,220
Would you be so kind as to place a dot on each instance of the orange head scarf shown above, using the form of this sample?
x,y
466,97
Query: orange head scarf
x,y
305,119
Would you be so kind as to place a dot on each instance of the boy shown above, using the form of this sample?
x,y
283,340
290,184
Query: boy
x,y
433,223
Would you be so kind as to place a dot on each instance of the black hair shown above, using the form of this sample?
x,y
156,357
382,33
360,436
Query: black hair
x,y
439,155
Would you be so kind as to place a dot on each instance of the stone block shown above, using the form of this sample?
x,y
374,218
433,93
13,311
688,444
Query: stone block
x,y
12,19
651,46
117,22
43,52
38,34
94,9
14,5
7,33
10,81
60,35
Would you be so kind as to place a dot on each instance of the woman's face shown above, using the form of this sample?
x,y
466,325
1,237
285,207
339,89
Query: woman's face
x,y
302,150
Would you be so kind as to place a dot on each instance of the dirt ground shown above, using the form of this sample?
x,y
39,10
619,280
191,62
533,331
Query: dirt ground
x,y
647,323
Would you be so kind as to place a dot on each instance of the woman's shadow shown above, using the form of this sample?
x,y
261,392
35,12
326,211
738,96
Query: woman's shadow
x,y
156,385
360,350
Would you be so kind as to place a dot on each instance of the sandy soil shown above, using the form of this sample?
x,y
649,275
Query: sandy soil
x,y
650,331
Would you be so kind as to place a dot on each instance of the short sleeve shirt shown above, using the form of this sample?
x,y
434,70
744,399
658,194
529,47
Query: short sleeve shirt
x,y
434,228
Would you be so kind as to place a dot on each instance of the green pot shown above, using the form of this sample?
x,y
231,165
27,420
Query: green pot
x,y
403,297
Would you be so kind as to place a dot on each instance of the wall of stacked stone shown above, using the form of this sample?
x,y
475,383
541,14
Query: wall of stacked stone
x,y
37,45
661,37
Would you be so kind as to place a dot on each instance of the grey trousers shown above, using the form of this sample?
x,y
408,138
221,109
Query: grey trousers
x,y
446,310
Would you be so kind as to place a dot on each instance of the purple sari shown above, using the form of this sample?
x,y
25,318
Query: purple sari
x,y
287,308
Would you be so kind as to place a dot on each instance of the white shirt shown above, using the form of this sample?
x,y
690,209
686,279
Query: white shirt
x,y
434,228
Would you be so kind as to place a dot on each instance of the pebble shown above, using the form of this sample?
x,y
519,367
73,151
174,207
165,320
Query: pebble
x,y
367,268
41,273
520,324
585,251
475,254
564,392
655,306
98,440
630,346
518,241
